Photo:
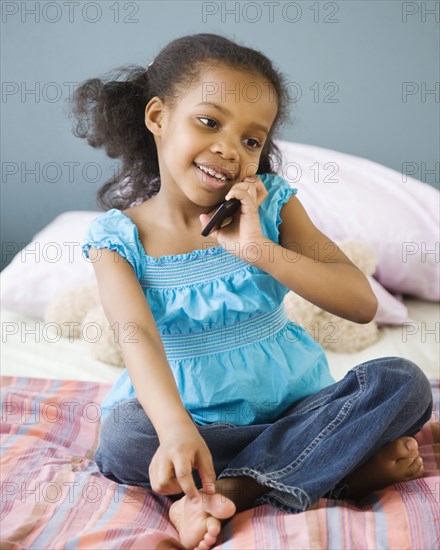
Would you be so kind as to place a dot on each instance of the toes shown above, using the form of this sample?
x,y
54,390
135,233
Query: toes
x,y
410,444
202,520
403,449
406,447
213,527
415,469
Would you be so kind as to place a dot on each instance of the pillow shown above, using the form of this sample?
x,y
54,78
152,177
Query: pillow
x,y
390,309
48,265
53,262
348,197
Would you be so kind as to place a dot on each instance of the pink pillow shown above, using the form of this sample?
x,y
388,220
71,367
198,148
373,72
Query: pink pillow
x,y
348,197
32,280
390,309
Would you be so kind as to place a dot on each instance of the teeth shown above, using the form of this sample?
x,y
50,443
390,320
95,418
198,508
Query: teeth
x,y
213,173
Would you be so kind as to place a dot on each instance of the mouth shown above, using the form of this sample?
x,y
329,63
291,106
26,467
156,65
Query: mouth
x,y
215,182
215,171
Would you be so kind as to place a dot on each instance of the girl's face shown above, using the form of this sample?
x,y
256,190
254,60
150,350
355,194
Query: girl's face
x,y
223,122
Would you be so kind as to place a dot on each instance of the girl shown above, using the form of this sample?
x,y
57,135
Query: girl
x,y
225,404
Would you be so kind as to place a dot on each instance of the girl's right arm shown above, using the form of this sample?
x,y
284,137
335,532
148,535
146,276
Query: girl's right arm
x,y
181,446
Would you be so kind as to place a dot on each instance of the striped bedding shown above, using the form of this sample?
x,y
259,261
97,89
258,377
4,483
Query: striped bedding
x,y
53,495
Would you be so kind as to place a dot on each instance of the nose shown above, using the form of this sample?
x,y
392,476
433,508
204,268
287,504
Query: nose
x,y
226,148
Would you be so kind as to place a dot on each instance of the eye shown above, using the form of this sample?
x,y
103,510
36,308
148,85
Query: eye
x,y
258,144
206,118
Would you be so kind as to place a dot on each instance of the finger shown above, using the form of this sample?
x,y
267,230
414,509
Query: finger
x,y
256,188
187,485
245,184
262,193
253,190
166,482
249,184
207,473
185,478
240,192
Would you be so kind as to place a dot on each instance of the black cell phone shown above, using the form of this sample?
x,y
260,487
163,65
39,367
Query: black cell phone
x,y
222,216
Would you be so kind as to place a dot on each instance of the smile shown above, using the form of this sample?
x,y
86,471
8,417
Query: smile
x,y
211,172
210,182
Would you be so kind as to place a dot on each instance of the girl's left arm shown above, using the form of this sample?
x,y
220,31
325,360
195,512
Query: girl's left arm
x,y
312,265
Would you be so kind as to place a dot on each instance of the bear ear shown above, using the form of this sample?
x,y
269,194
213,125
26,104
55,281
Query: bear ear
x,y
300,311
69,307
360,253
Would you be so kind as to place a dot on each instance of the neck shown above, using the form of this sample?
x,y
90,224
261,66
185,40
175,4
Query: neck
x,y
174,209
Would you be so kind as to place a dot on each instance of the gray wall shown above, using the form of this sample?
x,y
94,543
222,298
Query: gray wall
x,y
361,71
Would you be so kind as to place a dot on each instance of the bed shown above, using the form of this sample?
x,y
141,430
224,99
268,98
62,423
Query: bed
x,y
53,495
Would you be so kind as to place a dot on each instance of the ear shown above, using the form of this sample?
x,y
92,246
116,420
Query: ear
x,y
154,114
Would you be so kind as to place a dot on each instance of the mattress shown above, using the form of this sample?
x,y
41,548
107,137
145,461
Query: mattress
x,y
53,495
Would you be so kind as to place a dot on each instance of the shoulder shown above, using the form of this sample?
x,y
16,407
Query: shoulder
x,y
115,231
276,185
279,192
137,214
119,222
132,212
112,226
109,220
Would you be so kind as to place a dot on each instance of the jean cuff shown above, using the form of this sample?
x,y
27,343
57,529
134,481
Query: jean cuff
x,y
285,497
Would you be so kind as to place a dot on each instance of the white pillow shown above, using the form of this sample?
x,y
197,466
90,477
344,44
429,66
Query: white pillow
x,y
48,265
52,262
348,197
367,202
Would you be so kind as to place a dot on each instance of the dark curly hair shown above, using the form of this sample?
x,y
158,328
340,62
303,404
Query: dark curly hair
x,y
110,110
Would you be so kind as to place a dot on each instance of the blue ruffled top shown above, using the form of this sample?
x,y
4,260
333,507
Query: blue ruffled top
x,y
234,354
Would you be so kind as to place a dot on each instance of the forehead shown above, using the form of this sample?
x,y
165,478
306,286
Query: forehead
x,y
238,92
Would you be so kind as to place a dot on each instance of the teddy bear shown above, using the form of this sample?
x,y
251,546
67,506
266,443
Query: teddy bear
x,y
333,332
79,314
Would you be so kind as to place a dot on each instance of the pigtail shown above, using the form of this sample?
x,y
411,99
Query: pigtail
x,y
109,113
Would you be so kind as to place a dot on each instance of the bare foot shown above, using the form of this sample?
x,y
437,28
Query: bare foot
x,y
198,523
397,461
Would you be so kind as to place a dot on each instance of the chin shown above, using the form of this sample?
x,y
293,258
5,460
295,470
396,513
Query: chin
x,y
203,200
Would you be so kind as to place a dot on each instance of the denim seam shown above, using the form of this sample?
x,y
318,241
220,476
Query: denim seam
x,y
311,407
262,479
340,417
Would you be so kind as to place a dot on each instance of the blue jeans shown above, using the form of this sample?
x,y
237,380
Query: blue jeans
x,y
305,453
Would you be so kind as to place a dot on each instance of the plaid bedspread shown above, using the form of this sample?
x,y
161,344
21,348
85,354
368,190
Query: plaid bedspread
x,y
53,496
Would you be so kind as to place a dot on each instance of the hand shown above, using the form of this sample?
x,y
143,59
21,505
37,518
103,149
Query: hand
x,y
245,227
170,471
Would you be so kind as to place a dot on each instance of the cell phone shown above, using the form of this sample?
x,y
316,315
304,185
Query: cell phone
x,y
222,216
